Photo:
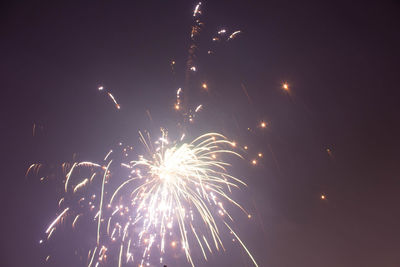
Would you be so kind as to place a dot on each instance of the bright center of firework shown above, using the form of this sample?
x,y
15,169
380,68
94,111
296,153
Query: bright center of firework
x,y
172,165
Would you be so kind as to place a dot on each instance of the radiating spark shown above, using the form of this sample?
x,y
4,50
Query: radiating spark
x,y
51,232
68,177
60,201
115,101
197,10
88,164
81,184
75,220
198,108
240,241
56,220
233,35
101,202
108,154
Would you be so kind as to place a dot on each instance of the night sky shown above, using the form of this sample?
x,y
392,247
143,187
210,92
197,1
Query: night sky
x,y
340,58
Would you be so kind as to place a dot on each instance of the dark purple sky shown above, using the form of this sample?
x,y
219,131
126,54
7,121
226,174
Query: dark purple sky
x,y
341,59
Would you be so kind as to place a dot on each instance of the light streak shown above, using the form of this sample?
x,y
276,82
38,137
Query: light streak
x,y
56,220
233,35
115,101
197,10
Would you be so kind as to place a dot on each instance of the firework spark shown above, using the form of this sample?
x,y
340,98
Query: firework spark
x,y
233,35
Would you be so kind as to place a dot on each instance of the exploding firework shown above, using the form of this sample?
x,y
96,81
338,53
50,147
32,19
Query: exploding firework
x,y
173,195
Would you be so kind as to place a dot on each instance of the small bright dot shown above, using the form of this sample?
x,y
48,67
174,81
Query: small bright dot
x,y
245,148
193,68
204,85
173,62
249,216
173,244
260,155
177,107
213,156
263,124
323,197
285,86
254,162
101,88
233,144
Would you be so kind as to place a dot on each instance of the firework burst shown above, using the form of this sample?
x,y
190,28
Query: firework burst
x,y
174,195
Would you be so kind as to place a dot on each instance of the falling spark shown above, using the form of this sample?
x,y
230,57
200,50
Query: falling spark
x,y
56,220
233,35
199,107
115,101
197,10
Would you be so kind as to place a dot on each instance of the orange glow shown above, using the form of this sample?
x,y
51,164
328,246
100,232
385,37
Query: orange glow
x,y
204,85
285,86
263,124
323,197
254,162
